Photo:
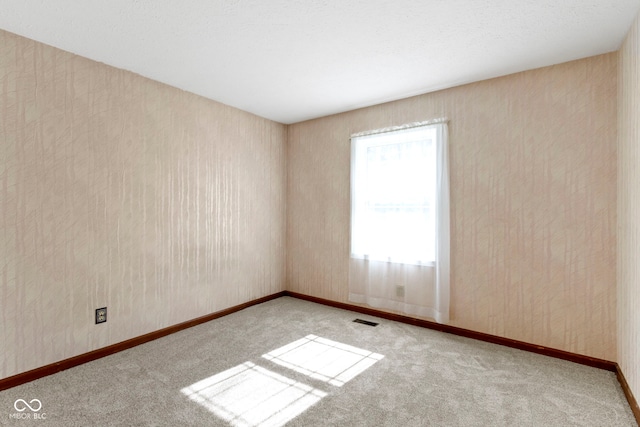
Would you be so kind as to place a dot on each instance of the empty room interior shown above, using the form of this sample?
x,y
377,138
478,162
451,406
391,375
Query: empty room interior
x,y
217,213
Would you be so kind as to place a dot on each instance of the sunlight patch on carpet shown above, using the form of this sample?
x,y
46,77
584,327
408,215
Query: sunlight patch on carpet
x,y
250,395
323,359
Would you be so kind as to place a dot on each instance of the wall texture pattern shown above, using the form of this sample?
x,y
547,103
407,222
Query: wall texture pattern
x,y
629,209
533,199
119,191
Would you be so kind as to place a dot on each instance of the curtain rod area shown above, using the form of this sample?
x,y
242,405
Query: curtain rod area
x,y
401,127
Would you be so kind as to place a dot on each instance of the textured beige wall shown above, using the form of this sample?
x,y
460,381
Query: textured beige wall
x,y
163,206
629,209
533,187
122,192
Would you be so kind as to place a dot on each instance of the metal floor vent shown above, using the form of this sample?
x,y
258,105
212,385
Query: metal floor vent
x,y
366,322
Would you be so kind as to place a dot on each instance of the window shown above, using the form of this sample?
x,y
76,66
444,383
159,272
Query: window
x,y
394,197
400,220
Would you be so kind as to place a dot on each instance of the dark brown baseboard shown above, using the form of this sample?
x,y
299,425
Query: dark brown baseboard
x,y
62,365
521,345
633,403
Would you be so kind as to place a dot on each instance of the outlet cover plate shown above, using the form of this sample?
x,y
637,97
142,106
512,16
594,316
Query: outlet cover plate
x,y
101,315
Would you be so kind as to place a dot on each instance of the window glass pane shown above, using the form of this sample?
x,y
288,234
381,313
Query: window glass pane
x,y
393,210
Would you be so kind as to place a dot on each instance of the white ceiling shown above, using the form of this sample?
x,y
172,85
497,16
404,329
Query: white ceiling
x,y
292,60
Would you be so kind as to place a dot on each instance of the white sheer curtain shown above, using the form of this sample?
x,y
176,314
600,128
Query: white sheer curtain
x,y
400,220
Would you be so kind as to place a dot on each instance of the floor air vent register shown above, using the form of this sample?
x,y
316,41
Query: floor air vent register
x,y
366,322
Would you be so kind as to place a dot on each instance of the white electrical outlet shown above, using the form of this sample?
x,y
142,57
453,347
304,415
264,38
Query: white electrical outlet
x,y
400,291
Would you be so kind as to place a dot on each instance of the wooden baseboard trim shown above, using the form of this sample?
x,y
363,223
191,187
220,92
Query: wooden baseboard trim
x,y
633,403
62,365
34,374
521,345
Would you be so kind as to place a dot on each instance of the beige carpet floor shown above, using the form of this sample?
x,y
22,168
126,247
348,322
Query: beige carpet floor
x,y
298,363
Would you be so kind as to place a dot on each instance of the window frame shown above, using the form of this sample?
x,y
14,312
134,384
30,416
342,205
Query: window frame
x,y
359,144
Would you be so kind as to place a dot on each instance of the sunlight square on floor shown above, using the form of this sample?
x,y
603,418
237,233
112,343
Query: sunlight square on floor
x,y
323,359
250,395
